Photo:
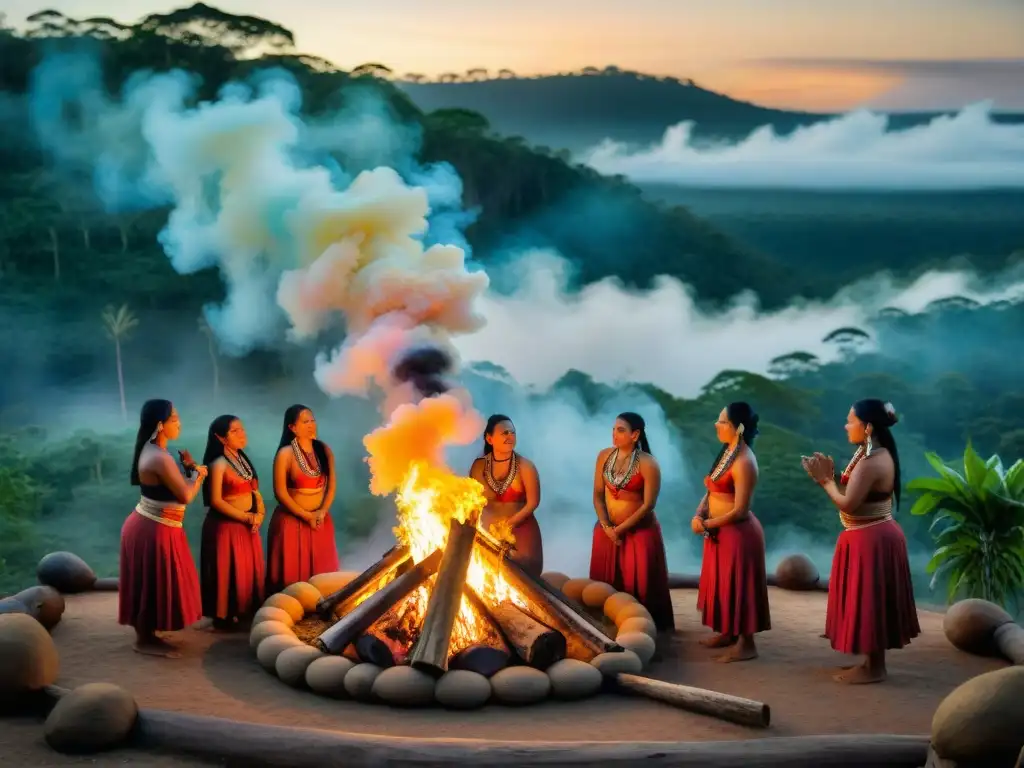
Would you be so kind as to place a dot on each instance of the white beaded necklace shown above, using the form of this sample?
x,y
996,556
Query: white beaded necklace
x,y
307,462
619,481
500,487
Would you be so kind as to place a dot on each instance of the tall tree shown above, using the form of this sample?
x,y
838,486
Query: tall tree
x,y
119,323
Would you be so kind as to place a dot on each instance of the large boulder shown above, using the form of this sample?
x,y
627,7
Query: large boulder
x,y
45,604
797,572
970,625
91,718
982,721
28,656
65,572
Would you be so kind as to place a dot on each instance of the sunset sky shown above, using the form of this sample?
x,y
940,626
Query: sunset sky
x,y
808,54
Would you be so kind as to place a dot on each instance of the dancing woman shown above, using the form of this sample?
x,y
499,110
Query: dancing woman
x,y
231,560
158,585
512,488
733,594
300,539
871,606
628,551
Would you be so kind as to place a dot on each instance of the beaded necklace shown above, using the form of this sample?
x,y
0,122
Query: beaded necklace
x,y
619,481
242,467
308,463
727,459
500,487
860,453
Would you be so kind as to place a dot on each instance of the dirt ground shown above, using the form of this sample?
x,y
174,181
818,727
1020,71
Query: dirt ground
x,y
218,675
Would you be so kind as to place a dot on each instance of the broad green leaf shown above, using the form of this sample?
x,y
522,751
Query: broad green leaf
x,y
975,471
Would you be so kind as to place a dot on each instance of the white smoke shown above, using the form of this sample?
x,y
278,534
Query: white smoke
x,y
858,150
662,337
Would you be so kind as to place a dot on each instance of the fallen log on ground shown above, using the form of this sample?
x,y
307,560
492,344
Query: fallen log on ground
x,y
724,706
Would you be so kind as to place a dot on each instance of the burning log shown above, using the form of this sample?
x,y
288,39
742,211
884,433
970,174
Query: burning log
x,y
347,596
700,700
374,650
431,652
355,623
583,640
538,645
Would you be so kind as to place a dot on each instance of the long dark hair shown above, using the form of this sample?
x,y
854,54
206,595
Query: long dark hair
x,y
739,414
153,412
494,420
215,448
319,449
636,423
882,418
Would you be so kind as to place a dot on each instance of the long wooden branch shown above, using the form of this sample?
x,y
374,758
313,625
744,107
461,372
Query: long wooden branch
x,y
735,709
345,598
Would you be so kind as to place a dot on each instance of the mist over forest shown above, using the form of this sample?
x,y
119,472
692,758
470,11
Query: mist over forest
x,y
607,294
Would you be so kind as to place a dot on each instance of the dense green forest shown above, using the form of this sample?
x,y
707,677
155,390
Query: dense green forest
x,y
103,322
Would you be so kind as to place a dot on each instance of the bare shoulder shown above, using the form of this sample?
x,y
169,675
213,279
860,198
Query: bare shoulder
x,y
283,455
647,461
153,459
477,467
603,455
327,449
526,464
877,464
747,461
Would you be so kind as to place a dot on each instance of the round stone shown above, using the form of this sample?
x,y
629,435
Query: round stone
x,y
329,583
326,676
520,685
65,572
555,579
272,647
286,603
404,687
971,624
28,656
616,603
573,679
91,718
638,624
611,664
595,593
639,643
462,689
573,588
796,572
359,681
265,629
45,604
981,721
272,614
291,664
307,595
634,610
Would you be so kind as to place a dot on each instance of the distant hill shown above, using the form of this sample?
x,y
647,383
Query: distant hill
x,y
577,110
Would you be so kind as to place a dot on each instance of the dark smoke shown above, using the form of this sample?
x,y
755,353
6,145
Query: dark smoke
x,y
425,368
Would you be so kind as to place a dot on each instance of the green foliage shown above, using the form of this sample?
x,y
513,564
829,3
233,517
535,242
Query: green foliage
x,y
978,520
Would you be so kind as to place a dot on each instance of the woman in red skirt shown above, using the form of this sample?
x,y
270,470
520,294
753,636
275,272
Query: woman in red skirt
x,y
871,606
231,562
628,551
512,488
733,594
300,540
158,587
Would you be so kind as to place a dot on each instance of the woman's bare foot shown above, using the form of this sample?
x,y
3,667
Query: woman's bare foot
x,y
156,646
743,650
718,641
862,675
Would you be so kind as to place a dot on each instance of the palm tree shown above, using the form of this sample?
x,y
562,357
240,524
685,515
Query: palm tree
x,y
119,323
979,515
204,328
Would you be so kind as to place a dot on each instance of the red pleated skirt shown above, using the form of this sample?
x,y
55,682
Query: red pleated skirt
x,y
871,604
158,587
230,568
733,593
529,551
295,552
636,565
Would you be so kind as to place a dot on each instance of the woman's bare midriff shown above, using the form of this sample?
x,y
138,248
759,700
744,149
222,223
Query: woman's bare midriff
x,y
242,502
309,499
720,504
501,510
622,508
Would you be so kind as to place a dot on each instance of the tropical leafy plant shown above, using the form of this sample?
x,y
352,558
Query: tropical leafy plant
x,y
978,526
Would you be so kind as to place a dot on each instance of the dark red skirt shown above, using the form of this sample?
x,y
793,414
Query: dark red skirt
x,y
158,587
295,552
636,565
871,604
230,568
529,551
733,594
